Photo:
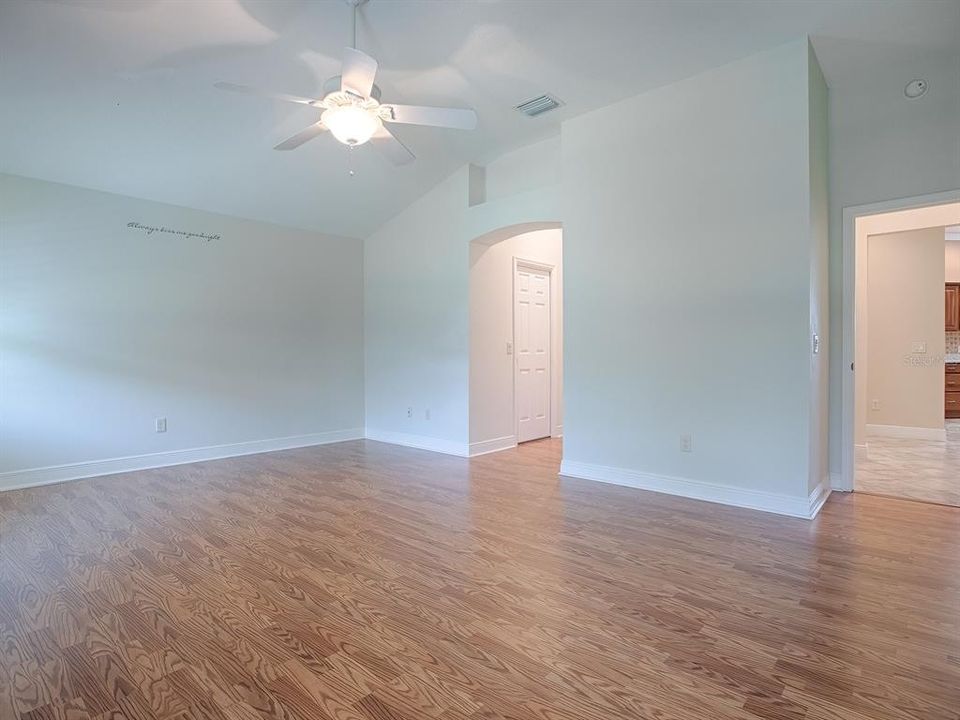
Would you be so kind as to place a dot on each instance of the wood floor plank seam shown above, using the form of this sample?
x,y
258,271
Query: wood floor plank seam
x,y
362,581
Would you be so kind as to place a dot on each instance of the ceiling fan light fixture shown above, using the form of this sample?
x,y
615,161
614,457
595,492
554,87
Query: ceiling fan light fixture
x,y
352,112
350,124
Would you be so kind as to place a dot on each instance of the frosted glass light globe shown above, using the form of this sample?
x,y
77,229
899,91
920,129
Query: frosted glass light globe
x,y
350,124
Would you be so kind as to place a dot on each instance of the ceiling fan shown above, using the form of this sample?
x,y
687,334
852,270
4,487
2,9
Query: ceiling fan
x,y
352,111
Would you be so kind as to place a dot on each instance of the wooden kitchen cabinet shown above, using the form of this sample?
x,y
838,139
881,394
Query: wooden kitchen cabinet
x,y
952,306
952,386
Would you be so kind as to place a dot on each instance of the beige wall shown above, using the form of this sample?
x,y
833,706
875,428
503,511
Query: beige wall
x,y
918,218
905,298
952,262
492,415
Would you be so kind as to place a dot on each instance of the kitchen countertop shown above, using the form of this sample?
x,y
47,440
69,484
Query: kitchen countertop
x,y
951,358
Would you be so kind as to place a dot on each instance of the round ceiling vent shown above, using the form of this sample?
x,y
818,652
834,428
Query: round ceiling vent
x,y
915,88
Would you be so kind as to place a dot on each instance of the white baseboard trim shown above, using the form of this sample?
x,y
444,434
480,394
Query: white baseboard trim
x,y
860,452
484,447
818,498
836,483
801,507
421,442
32,477
912,433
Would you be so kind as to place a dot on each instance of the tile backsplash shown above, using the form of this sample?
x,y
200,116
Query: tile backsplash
x,y
953,343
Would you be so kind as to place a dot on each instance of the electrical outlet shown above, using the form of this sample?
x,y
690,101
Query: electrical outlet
x,y
161,425
919,348
426,414
686,443
875,405
409,412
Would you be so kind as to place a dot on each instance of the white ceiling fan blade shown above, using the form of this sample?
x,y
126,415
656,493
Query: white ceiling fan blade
x,y
458,118
394,150
358,72
247,90
301,137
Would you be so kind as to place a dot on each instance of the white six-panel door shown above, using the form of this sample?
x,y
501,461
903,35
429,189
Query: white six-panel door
x,y
531,328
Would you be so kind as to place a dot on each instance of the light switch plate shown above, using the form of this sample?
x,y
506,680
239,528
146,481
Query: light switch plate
x,y
919,348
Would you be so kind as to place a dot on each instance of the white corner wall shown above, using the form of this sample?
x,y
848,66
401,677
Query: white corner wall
x,y
688,223
246,343
525,169
883,147
818,143
492,410
416,323
416,302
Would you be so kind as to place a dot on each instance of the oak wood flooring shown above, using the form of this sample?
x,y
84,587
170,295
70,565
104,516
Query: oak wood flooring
x,y
362,581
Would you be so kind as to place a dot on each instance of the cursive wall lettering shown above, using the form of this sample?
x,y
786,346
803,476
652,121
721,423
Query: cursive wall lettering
x,y
150,230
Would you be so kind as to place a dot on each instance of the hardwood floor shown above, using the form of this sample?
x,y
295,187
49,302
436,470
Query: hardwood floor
x,y
365,581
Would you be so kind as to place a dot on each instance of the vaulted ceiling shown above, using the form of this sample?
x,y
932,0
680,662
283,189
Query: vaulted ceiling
x,y
117,94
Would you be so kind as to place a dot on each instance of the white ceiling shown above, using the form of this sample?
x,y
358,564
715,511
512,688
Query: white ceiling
x,y
116,94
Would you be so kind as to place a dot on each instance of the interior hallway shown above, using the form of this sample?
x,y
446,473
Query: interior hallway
x,y
927,470
367,581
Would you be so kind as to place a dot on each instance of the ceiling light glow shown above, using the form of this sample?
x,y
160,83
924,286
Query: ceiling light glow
x,y
350,124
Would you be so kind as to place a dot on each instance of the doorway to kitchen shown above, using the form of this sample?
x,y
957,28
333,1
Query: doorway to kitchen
x,y
903,354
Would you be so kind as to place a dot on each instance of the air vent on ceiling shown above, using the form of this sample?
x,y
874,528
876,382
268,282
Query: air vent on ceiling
x,y
538,105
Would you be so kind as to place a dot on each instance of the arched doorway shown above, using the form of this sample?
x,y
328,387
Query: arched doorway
x,y
516,336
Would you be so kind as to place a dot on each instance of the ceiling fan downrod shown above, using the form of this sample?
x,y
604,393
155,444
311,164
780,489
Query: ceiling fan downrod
x,y
352,112
354,4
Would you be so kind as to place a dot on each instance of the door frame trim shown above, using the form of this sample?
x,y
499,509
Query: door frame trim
x,y
519,262
844,482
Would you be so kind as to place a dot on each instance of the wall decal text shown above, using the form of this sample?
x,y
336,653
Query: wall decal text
x,y
150,230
